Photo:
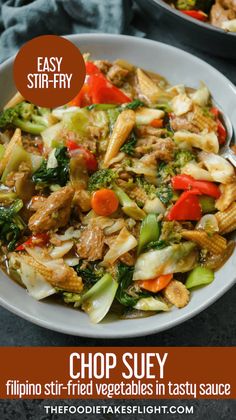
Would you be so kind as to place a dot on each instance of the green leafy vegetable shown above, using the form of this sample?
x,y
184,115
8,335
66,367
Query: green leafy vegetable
x,y
97,301
129,206
59,175
11,224
27,117
149,231
134,105
199,276
91,274
128,292
101,179
129,145
156,245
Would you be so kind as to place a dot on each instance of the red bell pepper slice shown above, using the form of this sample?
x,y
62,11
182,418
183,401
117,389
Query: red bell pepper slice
x,y
83,98
186,182
90,159
103,92
196,14
35,240
221,130
91,68
187,207
222,133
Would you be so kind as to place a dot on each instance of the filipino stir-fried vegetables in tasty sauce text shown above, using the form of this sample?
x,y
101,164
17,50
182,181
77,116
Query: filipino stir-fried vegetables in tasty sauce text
x,y
119,201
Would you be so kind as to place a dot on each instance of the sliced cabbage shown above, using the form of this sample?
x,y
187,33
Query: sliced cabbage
x,y
35,283
70,233
154,206
172,259
201,96
194,170
220,169
52,160
51,135
122,244
62,110
145,116
205,141
151,304
140,167
181,104
61,250
97,301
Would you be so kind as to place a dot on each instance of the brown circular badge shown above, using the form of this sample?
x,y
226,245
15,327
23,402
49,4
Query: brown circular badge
x,y
49,71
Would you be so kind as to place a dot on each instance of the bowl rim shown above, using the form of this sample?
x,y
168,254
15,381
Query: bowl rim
x,y
203,25
112,334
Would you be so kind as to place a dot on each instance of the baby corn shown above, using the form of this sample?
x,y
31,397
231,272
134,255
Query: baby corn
x,y
15,141
216,244
148,88
122,129
64,277
227,197
227,219
177,294
202,121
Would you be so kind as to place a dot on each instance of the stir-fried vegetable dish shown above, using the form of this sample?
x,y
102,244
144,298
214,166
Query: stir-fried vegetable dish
x,y
220,13
118,202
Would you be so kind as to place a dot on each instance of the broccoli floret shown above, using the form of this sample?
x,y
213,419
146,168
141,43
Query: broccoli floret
x,y
11,224
129,145
165,172
165,193
182,157
170,232
7,117
101,179
27,117
148,188
75,298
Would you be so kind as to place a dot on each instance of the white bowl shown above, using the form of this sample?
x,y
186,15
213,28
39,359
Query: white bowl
x,y
178,67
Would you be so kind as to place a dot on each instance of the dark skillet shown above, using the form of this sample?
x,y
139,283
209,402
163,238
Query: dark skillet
x,y
198,34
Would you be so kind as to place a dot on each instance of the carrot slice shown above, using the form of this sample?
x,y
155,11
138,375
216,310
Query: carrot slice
x,y
104,202
157,123
155,285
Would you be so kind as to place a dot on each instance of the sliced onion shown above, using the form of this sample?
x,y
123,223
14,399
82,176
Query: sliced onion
x,y
208,223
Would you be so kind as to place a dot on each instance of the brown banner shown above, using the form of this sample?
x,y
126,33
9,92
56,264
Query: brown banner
x,y
118,372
